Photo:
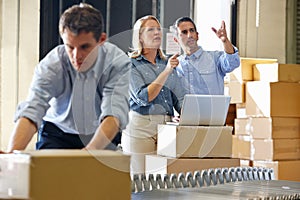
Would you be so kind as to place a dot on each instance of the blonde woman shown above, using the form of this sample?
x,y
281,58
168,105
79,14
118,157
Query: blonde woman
x,y
155,91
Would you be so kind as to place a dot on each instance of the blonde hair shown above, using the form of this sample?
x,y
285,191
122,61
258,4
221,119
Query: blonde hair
x,y
137,46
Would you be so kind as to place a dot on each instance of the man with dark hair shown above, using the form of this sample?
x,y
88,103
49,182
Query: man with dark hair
x,y
79,95
203,71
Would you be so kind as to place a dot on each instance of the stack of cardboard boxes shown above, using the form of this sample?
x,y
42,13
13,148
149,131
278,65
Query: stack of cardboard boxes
x,y
267,126
182,149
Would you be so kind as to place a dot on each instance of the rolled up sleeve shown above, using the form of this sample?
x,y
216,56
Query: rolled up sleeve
x,y
229,62
138,88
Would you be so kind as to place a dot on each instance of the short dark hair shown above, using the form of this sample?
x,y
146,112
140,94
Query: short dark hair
x,y
180,20
82,18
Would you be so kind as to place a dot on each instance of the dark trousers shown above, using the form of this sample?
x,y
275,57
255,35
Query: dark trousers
x,y
52,137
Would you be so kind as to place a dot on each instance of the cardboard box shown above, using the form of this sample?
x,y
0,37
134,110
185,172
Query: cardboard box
x,y
241,125
194,141
65,175
156,164
268,128
283,170
244,147
245,71
241,110
236,90
277,149
241,147
278,99
277,72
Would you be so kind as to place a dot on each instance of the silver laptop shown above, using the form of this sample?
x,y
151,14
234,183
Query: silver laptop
x,y
204,110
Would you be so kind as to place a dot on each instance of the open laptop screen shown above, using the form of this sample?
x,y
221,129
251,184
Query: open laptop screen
x,y
204,110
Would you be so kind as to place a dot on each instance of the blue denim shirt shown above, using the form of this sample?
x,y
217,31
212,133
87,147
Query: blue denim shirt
x,y
203,72
144,73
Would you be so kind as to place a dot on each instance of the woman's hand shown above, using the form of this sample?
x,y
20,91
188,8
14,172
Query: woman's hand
x,y
172,63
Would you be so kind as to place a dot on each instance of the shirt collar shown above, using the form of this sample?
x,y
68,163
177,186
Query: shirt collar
x,y
195,55
142,57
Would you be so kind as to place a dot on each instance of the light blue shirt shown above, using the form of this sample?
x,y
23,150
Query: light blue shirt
x,y
203,72
144,73
74,101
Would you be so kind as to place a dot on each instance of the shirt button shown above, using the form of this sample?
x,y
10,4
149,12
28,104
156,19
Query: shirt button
x,y
166,101
162,90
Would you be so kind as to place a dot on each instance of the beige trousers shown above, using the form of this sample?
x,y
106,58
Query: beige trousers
x,y
140,138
